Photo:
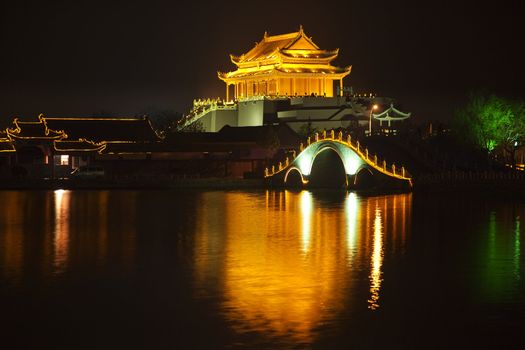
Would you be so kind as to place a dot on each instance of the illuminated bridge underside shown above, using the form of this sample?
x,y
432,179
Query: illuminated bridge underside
x,y
356,162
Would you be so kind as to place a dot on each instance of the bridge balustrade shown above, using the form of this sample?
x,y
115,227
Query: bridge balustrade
x,y
363,154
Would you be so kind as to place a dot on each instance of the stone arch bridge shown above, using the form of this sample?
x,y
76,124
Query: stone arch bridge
x,y
357,168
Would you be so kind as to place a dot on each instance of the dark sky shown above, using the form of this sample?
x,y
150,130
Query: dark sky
x,y
73,58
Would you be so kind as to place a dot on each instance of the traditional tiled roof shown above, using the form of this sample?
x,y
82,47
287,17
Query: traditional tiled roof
x,y
126,147
231,138
391,114
290,54
105,129
33,130
268,70
6,145
320,54
78,146
288,44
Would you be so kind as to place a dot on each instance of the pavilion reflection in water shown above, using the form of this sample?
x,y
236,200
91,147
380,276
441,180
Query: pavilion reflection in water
x,y
292,260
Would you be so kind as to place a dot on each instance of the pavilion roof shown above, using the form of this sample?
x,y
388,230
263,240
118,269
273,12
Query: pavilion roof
x,y
284,68
391,113
33,130
6,145
271,45
81,145
320,54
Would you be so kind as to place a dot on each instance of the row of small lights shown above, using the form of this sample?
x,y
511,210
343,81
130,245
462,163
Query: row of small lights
x,y
348,142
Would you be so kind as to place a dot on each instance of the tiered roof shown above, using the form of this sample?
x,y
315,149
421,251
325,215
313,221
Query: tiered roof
x,y
286,53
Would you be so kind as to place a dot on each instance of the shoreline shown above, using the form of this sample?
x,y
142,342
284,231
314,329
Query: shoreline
x,y
133,184
504,187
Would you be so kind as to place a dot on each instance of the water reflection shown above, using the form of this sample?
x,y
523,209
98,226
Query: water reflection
x,y
377,261
61,230
517,249
352,214
11,233
288,268
306,218
501,257
46,232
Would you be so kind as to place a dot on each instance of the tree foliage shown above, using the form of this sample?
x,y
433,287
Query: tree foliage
x,y
492,123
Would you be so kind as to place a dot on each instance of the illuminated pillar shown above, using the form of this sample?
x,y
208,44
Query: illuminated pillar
x,y
308,92
293,91
277,85
227,92
341,87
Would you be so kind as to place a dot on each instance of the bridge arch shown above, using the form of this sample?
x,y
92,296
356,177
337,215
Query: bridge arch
x,y
333,175
291,180
364,176
352,161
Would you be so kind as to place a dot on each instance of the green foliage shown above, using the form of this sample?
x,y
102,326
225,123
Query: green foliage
x,y
491,122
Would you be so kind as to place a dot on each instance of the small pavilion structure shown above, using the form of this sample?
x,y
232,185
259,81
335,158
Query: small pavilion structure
x,y
284,65
389,115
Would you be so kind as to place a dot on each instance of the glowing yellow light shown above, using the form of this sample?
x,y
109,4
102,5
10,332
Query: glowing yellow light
x,y
64,159
352,213
377,262
61,232
294,53
306,219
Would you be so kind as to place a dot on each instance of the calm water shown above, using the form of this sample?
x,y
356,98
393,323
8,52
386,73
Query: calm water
x,y
327,270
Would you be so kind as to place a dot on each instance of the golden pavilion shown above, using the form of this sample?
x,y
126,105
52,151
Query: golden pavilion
x,y
284,65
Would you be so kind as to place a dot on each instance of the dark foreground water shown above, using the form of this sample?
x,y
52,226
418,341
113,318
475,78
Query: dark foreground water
x,y
327,270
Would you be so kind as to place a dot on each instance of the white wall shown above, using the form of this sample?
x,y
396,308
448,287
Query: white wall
x,y
251,113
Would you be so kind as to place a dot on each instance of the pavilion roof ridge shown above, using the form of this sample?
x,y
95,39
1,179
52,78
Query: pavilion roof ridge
x,y
116,118
387,113
270,45
269,38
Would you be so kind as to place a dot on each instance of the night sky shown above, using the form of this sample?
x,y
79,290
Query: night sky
x,y
74,58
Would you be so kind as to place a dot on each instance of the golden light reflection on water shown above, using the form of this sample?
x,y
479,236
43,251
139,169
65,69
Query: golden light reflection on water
x,y
54,232
352,212
306,218
289,261
12,239
61,230
377,261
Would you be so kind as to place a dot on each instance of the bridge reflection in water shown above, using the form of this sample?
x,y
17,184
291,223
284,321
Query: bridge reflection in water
x,y
296,260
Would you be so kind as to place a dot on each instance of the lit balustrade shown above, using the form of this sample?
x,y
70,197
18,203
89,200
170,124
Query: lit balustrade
x,y
391,170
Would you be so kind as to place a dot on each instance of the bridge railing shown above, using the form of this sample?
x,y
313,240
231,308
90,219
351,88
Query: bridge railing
x,y
381,166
